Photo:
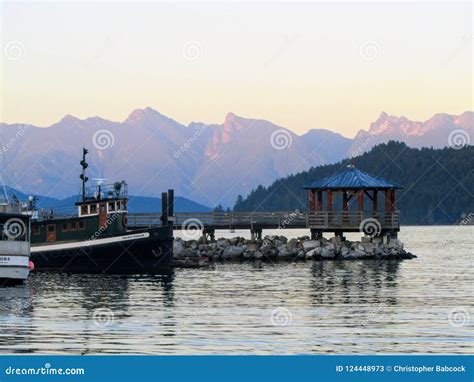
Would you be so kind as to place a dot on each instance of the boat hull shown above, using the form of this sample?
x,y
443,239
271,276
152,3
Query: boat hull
x,y
139,252
14,261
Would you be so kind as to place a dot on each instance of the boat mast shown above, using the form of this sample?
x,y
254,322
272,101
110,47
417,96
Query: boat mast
x,y
83,176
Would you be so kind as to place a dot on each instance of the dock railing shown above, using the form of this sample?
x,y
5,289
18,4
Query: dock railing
x,y
225,220
321,220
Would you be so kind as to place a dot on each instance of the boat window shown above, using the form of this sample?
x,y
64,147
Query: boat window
x,y
118,206
64,227
36,230
73,226
93,208
84,210
103,208
82,225
111,206
51,228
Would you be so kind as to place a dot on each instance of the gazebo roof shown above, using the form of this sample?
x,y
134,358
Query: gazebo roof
x,y
352,178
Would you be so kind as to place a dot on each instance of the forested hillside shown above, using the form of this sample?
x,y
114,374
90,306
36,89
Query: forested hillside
x,y
438,184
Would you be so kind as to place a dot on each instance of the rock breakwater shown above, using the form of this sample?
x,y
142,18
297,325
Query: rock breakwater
x,y
279,248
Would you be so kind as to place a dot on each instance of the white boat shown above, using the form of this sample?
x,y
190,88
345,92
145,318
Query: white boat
x,y
14,245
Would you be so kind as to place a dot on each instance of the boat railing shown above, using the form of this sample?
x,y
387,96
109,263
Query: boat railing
x,y
117,190
49,213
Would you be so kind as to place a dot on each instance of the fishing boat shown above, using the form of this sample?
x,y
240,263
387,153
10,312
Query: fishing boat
x,y
96,239
14,245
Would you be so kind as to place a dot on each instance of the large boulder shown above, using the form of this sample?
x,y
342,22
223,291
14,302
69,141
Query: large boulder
x,y
301,255
223,243
251,247
283,252
178,248
232,252
313,253
395,243
278,243
350,254
328,253
293,244
310,244
344,251
234,240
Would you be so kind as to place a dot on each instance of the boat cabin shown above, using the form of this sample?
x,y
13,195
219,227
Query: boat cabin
x,y
101,211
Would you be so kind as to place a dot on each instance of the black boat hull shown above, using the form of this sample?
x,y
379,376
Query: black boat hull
x,y
147,251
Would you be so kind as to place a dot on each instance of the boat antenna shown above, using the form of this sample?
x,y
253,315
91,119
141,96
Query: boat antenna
x,y
83,176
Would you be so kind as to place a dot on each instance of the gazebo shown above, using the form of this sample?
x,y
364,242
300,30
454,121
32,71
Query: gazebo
x,y
346,186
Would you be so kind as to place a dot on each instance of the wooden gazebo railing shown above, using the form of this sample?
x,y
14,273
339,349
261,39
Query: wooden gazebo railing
x,y
353,220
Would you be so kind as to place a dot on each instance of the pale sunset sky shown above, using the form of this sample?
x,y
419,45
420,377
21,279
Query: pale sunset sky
x,y
300,65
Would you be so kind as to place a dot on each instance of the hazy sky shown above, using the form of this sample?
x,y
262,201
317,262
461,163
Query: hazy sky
x,y
300,65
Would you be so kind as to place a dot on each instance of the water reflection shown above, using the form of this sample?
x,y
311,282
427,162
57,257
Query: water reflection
x,y
333,306
354,281
73,308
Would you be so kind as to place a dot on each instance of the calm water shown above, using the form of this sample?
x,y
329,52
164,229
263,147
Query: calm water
x,y
323,307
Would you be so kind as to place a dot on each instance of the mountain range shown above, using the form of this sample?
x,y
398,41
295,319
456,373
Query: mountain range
x,y
135,203
209,163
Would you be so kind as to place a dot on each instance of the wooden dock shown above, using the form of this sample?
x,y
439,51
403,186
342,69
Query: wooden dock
x,y
317,222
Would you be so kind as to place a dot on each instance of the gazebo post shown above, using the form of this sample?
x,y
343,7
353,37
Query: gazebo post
x,y
320,200
345,207
329,206
388,200
360,203
375,202
311,200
